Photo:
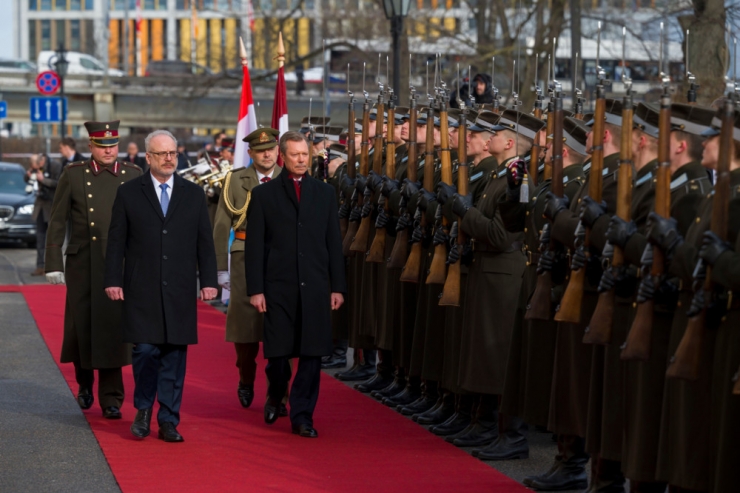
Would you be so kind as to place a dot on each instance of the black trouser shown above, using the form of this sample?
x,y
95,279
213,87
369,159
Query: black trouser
x,y
41,227
159,372
246,354
110,384
305,389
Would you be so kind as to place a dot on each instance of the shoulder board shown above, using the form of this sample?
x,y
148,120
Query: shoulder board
x,y
565,179
605,172
502,173
76,164
129,165
644,179
587,167
476,176
679,181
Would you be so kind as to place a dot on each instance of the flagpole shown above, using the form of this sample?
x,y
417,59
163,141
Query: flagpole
x,y
280,103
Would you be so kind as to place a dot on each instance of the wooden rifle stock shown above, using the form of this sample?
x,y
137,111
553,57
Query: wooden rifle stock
x,y
412,270
540,305
353,226
377,248
363,232
599,330
451,290
400,251
637,345
570,305
438,268
687,361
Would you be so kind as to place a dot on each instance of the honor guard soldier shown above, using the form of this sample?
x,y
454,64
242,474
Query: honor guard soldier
x,y
92,322
244,324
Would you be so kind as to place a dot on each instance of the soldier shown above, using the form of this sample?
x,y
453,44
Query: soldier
x,y
92,323
532,353
323,137
243,322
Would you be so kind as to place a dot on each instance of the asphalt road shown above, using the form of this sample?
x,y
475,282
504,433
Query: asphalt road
x,y
45,442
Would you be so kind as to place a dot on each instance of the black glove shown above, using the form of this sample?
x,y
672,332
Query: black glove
x,y
608,281
514,176
410,188
344,210
367,206
591,211
461,204
355,215
374,181
346,183
440,237
712,247
444,192
382,220
454,232
646,291
663,233
403,222
360,183
545,237
554,205
620,231
546,262
698,303
578,259
389,186
417,234
426,197
454,255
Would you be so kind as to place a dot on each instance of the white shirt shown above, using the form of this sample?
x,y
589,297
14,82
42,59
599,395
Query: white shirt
x,y
260,175
158,190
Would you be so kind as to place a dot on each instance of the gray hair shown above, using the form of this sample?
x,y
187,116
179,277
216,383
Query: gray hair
x,y
291,136
157,133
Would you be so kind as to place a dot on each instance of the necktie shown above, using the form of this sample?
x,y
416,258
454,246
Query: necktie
x,y
297,185
265,179
164,199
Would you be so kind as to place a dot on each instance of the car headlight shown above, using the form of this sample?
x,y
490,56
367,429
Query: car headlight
x,y
25,210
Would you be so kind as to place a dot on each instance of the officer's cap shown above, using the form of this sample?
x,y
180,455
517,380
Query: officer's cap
x,y
522,123
262,138
485,121
327,133
103,134
646,119
691,118
613,113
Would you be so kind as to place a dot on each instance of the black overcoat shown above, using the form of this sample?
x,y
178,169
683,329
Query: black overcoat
x,y
293,255
164,257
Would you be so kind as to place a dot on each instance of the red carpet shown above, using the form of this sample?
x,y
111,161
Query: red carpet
x,y
363,446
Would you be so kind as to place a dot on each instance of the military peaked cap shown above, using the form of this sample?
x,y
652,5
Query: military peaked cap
x,y
262,139
103,134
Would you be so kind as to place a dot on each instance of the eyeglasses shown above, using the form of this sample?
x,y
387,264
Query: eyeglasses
x,y
164,154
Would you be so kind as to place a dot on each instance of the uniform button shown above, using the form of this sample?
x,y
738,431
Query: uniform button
x,y
123,182
89,195
123,172
87,171
164,257
92,210
698,219
88,183
164,283
94,238
92,224
164,231
526,213
525,230
303,284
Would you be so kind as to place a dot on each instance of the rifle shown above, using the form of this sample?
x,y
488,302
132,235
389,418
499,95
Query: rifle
x,y
310,138
377,248
540,305
570,305
687,360
579,99
451,290
351,154
547,172
637,345
494,90
599,330
363,232
353,226
534,155
690,78
438,268
399,254
412,269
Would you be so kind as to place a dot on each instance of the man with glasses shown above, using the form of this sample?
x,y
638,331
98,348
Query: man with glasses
x,y
83,202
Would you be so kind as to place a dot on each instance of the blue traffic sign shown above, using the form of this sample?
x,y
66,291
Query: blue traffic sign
x,y
3,109
48,110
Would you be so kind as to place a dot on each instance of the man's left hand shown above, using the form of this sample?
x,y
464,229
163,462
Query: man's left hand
x,y
208,293
336,300
39,175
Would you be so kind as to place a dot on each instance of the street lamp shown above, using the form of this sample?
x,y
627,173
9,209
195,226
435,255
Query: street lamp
x,y
60,66
395,11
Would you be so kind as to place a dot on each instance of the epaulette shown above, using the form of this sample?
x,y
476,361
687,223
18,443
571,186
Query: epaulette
x,y
476,176
130,165
645,179
502,173
76,164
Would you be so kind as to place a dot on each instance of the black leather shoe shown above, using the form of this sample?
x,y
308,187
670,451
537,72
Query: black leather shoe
x,y
272,411
570,475
478,436
333,362
356,373
557,464
454,436
112,412
438,414
168,433
85,398
405,397
140,426
505,448
420,405
455,424
283,411
305,431
245,394
378,381
395,387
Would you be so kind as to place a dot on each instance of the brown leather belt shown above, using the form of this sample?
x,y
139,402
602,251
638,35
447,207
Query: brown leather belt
x,y
240,235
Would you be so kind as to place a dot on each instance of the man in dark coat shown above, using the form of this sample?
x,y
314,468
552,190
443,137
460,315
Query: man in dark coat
x,y
82,205
46,174
132,156
295,275
160,279
67,148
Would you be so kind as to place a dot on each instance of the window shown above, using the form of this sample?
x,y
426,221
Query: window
x,y
33,5
60,4
74,35
75,4
45,4
89,5
32,48
45,34
90,64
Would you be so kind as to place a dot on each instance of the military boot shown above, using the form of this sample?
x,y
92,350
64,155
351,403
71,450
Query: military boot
x,y
606,476
511,443
440,413
361,370
424,403
571,471
485,429
396,386
409,394
460,420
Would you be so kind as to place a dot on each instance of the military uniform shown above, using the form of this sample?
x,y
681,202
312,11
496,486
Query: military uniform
x,y
92,322
244,324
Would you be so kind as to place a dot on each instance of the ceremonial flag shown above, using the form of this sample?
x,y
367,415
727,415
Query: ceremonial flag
x,y
280,104
247,120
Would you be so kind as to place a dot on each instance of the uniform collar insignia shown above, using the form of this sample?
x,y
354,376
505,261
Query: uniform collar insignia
x,y
644,179
476,176
679,181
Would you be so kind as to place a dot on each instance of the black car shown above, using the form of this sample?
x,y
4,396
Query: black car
x,y
16,205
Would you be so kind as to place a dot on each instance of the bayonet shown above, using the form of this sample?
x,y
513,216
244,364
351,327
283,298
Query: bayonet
x,y
471,93
627,81
556,86
493,85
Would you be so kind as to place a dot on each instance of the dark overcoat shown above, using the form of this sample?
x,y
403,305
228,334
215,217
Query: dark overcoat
x,y
293,255
164,257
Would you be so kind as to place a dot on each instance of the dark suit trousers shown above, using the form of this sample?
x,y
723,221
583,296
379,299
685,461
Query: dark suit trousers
x,y
159,372
41,226
305,390
110,384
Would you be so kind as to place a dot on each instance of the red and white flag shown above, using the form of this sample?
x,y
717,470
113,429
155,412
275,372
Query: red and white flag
x,y
280,107
247,121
